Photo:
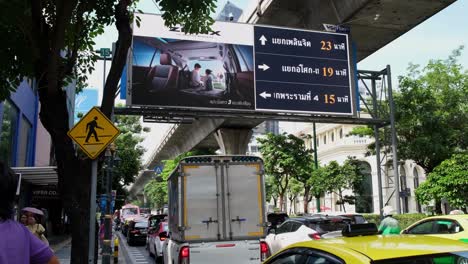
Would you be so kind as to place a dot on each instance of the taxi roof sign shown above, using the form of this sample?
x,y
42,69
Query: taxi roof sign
x,y
94,132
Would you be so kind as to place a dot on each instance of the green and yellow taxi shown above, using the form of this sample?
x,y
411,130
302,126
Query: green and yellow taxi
x,y
446,226
366,247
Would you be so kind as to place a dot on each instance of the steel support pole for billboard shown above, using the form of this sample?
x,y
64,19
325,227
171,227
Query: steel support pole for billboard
x,y
377,147
107,249
92,212
394,140
316,164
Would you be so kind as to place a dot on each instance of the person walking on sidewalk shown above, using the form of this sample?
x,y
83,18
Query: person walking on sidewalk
x,y
18,245
37,229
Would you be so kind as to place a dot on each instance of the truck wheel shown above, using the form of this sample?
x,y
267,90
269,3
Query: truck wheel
x,y
158,260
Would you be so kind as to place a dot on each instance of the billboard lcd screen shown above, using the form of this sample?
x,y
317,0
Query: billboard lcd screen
x,y
183,72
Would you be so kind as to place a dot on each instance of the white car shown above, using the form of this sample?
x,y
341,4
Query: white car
x,y
302,229
156,239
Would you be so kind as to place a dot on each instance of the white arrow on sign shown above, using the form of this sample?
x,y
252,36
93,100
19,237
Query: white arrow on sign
x,y
263,40
265,95
263,67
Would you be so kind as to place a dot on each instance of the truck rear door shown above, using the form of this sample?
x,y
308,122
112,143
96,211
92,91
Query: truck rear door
x,y
201,215
244,199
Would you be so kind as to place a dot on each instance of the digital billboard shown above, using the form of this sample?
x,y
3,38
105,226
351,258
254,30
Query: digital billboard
x,y
240,67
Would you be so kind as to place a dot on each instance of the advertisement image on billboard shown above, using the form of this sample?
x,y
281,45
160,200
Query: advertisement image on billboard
x,y
187,73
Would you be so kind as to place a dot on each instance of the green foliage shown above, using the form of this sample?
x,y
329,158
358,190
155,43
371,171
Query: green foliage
x,y
70,27
432,112
337,178
156,189
449,180
128,151
285,157
362,131
194,16
404,220
271,189
79,22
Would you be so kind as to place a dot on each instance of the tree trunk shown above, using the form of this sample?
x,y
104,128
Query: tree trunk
x,y
74,174
438,207
341,201
306,200
281,205
123,43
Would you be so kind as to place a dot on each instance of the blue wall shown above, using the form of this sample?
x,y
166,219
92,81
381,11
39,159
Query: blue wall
x,y
26,102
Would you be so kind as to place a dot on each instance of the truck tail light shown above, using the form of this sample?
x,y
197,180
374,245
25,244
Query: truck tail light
x,y
315,236
184,255
264,251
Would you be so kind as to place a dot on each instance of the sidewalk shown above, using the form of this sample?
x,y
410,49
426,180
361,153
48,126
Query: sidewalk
x,y
63,252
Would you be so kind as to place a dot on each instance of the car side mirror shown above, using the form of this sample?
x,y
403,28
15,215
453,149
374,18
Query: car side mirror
x,y
405,231
272,231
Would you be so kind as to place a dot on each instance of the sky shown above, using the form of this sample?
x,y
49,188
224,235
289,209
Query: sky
x,y
435,38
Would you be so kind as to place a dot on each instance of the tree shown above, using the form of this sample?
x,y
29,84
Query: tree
x,y
337,178
129,151
432,112
52,42
271,190
295,188
285,157
449,180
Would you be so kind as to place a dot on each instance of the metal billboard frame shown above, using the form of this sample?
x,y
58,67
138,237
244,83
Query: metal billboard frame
x,y
377,111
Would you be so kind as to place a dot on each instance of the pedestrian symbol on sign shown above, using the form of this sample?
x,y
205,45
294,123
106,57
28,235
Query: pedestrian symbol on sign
x,y
91,129
158,170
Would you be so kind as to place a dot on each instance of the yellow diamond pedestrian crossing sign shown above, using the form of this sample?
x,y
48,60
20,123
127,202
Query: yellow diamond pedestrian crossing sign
x,y
94,132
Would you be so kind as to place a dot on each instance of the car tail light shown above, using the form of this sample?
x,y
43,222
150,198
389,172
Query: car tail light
x,y
136,231
184,255
315,236
264,251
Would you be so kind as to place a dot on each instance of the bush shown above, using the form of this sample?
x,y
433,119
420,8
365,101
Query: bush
x,y
404,220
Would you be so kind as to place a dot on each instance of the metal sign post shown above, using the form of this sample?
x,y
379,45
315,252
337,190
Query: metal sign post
x,y
92,212
93,133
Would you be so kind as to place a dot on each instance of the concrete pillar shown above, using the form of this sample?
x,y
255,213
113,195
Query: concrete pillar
x,y
141,198
233,140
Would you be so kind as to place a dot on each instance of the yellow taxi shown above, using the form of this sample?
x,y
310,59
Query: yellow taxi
x,y
446,226
363,246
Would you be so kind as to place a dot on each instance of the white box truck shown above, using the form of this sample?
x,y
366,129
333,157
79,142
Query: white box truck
x,y
216,211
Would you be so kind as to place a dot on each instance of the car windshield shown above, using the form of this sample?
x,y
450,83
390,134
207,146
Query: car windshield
x,y
129,211
446,258
141,224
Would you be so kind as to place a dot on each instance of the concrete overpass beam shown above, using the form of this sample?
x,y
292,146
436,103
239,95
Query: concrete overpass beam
x,y
233,140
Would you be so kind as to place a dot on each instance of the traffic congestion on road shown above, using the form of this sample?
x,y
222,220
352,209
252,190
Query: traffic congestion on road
x,y
333,237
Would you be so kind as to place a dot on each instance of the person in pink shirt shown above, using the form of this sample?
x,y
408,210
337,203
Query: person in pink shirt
x,y
18,245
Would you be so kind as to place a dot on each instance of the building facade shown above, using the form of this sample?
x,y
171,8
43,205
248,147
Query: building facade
x,y
26,146
335,144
